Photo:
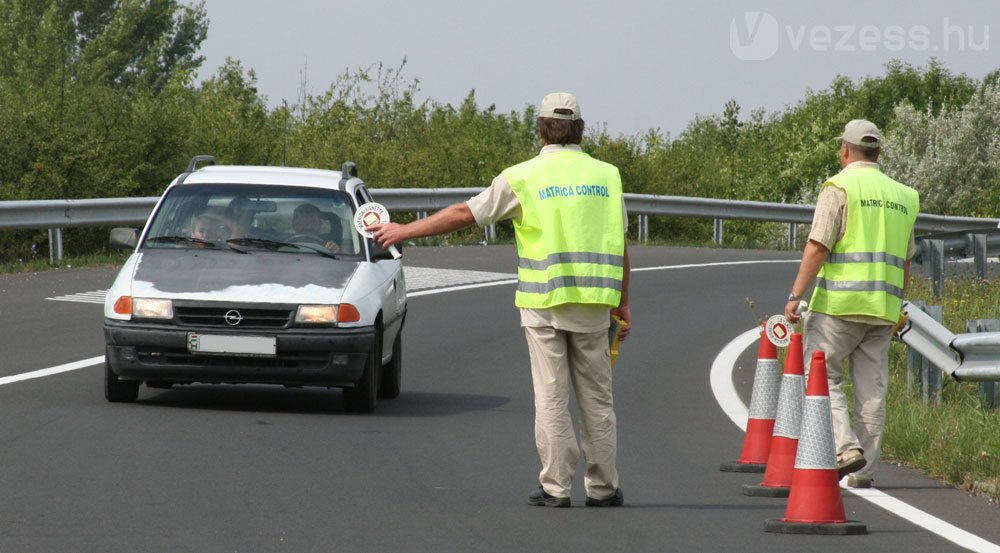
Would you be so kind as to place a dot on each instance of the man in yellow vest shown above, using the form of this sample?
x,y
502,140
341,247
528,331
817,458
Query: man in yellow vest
x,y
569,224
859,253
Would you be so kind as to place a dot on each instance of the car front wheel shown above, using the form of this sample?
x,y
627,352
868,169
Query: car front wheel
x,y
392,374
361,398
117,390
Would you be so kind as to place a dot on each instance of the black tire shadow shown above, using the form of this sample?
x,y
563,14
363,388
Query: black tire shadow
x,y
276,399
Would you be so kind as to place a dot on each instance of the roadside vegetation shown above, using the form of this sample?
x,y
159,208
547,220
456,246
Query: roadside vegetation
x,y
99,99
954,440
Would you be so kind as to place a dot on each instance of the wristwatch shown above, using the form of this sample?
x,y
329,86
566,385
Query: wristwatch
x,y
793,297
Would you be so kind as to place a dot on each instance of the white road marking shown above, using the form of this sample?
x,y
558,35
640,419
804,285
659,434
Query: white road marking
x,y
52,370
96,296
721,378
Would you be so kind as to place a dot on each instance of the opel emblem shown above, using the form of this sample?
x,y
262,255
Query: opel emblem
x,y
233,317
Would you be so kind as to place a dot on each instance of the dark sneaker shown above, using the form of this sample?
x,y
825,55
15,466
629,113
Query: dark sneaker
x,y
850,461
614,501
541,499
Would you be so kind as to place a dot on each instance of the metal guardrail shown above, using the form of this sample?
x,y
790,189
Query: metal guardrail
x,y
115,211
971,356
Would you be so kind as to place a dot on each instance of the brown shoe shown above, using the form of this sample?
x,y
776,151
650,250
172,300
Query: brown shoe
x,y
850,461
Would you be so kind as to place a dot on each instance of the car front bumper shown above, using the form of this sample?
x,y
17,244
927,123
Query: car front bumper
x,y
332,357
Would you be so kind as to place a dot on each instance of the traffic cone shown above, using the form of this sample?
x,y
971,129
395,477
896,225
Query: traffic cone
x,y
815,505
785,439
763,407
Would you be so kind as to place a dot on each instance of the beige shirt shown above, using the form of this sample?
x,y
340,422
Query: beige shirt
x,y
830,223
498,203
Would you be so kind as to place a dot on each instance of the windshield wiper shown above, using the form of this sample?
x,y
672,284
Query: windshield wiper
x,y
274,245
262,242
179,239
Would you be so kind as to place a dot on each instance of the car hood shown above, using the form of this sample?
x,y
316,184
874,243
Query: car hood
x,y
225,275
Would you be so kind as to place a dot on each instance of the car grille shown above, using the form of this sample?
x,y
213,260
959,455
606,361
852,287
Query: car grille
x,y
288,360
200,316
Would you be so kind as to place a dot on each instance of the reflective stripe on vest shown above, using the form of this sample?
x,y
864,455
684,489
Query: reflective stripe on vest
x,y
571,257
570,237
569,281
859,286
864,272
867,257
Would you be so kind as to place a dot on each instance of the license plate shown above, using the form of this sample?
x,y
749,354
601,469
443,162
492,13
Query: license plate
x,y
258,346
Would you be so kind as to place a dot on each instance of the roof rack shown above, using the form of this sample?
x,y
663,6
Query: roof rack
x,y
348,171
193,165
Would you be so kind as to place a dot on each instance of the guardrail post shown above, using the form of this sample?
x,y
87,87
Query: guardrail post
x,y
989,392
793,236
55,246
491,234
930,375
979,253
922,373
643,230
937,267
718,232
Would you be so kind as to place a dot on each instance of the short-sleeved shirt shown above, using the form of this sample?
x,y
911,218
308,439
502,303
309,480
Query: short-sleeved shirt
x,y
498,203
830,223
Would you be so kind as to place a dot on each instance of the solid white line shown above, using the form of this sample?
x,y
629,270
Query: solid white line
x,y
721,378
947,531
719,264
52,370
433,291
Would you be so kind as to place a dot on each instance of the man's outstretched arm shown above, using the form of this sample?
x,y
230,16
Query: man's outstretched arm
x,y
454,217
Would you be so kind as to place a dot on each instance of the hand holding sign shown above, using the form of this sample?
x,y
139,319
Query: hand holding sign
x,y
369,215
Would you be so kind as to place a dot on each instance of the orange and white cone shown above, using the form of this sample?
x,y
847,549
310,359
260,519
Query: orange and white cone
x,y
815,505
763,408
785,438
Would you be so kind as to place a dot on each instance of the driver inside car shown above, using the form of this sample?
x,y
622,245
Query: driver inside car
x,y
307,224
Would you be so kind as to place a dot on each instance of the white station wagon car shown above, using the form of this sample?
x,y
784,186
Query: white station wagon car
x,y
256,275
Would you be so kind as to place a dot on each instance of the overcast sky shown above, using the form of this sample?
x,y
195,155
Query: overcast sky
x,y
634,65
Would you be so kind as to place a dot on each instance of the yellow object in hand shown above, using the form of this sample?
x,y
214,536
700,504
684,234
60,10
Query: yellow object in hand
x,y
617,324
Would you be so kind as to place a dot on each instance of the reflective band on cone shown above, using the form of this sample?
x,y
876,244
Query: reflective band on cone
x,y
815,505
763,407
784,441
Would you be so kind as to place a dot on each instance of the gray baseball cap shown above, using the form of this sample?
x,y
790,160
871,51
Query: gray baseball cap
x,y
858,130
563,101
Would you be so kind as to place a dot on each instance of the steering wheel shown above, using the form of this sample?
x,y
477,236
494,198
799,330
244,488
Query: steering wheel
x,y
307,238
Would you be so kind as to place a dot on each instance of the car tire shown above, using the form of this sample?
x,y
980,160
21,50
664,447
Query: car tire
x,y
117,390
392,374
361,398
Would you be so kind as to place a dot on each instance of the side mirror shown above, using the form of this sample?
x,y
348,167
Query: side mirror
x,y
124,238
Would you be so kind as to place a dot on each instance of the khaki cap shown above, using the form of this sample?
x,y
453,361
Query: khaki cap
x,y
560,100
857,130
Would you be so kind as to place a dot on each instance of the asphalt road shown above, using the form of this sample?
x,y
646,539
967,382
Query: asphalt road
x,y
445,467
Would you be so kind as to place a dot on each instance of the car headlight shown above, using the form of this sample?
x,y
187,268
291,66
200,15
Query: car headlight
x,y
327,314
147,308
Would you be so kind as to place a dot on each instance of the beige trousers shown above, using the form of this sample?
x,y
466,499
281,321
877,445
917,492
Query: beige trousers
x,y
558,358
866,349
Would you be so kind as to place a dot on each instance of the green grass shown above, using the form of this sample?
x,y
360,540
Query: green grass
x,y
955,440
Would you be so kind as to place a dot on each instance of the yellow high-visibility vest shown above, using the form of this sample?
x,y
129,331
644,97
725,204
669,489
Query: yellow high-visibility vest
x,y
571,236
864,273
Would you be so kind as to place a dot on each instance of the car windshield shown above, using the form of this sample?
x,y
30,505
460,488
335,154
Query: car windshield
x,y
249,218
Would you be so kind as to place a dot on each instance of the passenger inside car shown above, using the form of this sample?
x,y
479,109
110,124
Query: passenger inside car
x,y
208,227
307,225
